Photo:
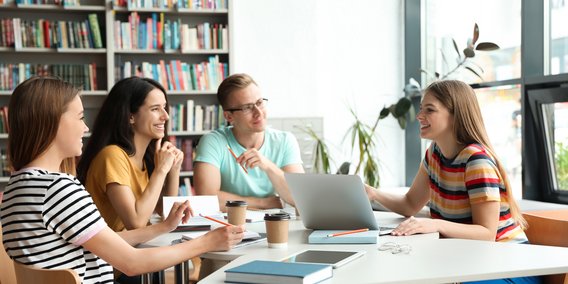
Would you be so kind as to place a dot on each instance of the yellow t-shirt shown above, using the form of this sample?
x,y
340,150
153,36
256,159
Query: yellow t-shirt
x,y
112,165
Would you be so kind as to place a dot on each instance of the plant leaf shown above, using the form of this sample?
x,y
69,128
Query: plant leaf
x,y
473,71
475,34
344,168
486,46
384,113
428,73
402,122
469,43
456,47
468,52
401,107
477,66
322,159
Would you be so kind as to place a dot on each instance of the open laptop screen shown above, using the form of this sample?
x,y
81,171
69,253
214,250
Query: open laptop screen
x,y
331,202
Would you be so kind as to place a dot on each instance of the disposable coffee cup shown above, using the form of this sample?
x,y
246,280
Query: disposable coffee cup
x,y
277,229
236,212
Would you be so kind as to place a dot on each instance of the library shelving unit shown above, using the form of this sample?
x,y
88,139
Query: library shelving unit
x,y
184,45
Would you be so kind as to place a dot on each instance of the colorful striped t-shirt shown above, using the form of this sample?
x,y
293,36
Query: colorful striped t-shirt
x,y
471,177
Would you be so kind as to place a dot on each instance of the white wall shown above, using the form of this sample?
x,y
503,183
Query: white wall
x,y
318,58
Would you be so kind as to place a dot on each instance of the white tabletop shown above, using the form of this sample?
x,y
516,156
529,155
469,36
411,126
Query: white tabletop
x,y
431,260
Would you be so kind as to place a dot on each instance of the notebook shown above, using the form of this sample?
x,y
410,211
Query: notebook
x,y
203,204
331,202
322,237
261,271
249,238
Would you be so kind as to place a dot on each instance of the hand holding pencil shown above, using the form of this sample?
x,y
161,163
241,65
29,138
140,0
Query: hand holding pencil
x,y
235,156
225,237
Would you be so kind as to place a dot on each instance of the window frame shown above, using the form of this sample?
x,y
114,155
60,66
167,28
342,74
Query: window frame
x,y
534,44
537,172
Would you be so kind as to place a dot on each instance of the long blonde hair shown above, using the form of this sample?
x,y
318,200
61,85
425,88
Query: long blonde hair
x,y
461,101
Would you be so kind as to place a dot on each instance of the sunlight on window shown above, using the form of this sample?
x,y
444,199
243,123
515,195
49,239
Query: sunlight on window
x,y
499,22
501,110
558,36
560,136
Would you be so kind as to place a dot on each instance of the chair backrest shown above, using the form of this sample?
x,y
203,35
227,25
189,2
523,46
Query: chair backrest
x,y
550,228
30,274
8,276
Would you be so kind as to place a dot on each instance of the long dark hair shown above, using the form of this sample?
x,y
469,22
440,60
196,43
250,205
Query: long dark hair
x,y
112,126
36,107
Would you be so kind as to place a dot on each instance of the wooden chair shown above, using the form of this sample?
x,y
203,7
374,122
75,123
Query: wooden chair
x,y
549,227
30,274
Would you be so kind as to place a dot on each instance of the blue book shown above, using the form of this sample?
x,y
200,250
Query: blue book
x,y
261,271
321,237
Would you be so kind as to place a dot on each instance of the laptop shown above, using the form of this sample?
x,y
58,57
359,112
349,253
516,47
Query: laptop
x,y
331,202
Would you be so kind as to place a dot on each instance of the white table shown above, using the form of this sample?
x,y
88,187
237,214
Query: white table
x,y
431,260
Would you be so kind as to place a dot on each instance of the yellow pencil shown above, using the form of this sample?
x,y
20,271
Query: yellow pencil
x,y
215,220
235,156
348,232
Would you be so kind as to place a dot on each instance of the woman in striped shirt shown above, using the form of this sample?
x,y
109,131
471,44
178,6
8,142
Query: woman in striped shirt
x,y
461,179
48,218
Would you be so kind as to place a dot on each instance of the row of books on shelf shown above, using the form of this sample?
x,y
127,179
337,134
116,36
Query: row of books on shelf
x,y
191,117
43,2
42,33
134,4
186,146
177,75
81,75
186,4
157,33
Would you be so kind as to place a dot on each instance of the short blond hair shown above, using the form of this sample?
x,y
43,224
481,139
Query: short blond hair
x,y
231,84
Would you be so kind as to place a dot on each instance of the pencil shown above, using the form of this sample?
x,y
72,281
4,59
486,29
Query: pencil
x,y
235,156
348,232
215,220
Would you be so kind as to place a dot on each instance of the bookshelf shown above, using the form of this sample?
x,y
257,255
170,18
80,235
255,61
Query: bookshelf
x,y
182,44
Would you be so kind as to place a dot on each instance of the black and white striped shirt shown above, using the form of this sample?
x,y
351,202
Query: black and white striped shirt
x,y
46,217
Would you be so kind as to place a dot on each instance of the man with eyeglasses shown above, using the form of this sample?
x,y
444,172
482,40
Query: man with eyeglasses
x,y
246,160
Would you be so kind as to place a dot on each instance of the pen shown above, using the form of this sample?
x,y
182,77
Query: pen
x,y
215,220
348,232
235,156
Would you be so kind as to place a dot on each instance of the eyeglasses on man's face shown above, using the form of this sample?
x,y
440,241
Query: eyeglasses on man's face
x,y
248,108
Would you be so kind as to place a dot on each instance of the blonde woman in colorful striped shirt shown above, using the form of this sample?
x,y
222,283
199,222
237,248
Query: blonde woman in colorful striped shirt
x,y
461,179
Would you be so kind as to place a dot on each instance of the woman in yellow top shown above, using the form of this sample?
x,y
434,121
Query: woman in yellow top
x,y
126,167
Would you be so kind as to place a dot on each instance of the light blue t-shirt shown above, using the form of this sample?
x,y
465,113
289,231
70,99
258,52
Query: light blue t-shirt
x,y
280,147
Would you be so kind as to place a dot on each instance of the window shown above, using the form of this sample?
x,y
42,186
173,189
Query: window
x,y
558,36
501,110
549,112
499,22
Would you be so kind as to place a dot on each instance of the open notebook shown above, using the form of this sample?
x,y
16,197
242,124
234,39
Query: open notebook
x,y
202,204
249,238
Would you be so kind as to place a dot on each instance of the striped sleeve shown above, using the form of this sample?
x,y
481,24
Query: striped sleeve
x,y
482,179
70,212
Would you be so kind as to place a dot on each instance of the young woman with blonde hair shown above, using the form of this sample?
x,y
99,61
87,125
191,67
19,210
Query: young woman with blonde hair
x,y
461,179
